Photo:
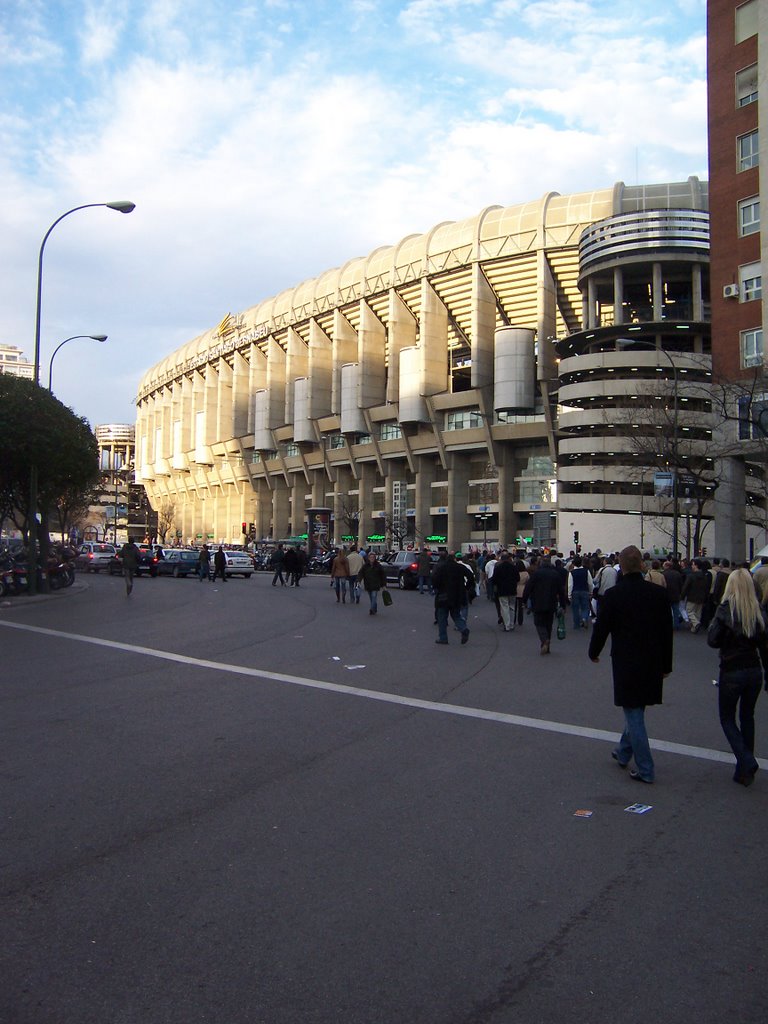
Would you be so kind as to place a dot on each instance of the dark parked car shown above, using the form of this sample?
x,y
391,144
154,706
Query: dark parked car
x,y
402,567
178,562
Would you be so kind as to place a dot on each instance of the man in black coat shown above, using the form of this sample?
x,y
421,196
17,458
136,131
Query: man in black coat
x,y
450,586
636,615
506,576
546,590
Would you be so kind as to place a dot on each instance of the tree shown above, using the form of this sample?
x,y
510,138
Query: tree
x,y
350,516
166,516
687,430
38,430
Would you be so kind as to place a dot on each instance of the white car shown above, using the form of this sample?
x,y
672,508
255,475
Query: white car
x,y
94,556
239,563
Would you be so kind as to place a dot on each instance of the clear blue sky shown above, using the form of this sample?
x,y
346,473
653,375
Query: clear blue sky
x,y
266,142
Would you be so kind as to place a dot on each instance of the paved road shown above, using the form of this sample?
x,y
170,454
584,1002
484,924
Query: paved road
x,y
235,804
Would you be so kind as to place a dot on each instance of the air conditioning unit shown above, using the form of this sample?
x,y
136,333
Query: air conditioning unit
x,y
731,291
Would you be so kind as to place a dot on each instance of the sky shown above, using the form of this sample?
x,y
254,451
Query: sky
x,y
266,142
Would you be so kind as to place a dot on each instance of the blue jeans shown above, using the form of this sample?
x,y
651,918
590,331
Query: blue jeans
x,y
739,690
457,614
634,741
374,598
580,607
340,584
424,582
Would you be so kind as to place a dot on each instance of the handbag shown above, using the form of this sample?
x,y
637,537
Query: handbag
x,y
386,598
561,625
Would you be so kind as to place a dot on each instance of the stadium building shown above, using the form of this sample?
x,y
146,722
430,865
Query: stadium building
x,y
472,384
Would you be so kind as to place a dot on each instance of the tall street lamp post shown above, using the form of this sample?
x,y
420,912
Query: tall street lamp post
x,y
122,206
93,337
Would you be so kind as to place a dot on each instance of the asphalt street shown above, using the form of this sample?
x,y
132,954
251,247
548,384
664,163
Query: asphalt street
x,y
238,804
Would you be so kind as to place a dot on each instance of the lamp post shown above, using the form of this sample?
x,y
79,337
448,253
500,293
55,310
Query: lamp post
x,y
122,206
649,345
93,337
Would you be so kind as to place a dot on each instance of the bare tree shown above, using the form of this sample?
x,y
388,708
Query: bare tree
x,y
351,513
166,517
686,432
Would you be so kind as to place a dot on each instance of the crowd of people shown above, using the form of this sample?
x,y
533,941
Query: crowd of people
x,y
635,600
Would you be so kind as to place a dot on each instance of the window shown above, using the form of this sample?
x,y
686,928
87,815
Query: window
x,y
752,347
390,432
749,215
746,20
753,417
746,86
463,419
290,449
750,282
748,148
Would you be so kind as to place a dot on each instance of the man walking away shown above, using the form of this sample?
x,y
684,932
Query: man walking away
x,y
449,584
276,560
546,592
356,562
580,586
635,614
204,563
129,555
506,576
424,570
220,565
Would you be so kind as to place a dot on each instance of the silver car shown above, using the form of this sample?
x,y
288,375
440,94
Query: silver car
x,y
94,555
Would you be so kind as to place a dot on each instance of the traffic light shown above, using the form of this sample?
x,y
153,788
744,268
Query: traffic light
x,y
251,528
575,536
245,529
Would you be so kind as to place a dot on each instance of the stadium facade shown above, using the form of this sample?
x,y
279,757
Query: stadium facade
x,y
474,383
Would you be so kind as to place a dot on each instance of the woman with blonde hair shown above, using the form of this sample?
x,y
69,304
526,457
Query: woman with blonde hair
x,y
740,632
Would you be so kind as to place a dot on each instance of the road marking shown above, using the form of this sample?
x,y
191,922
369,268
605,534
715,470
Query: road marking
x,y
386,698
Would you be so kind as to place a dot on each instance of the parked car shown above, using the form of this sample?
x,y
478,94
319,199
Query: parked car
x,y
94,556
147,562
177,562
239,563
402,567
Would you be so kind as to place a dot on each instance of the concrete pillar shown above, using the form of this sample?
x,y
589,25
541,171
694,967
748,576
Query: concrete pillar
x,y
459,469
401,333
344,351
618,295
592,319
433,336
298,490
730,510
371,348
263,514
658,292
281,510
546,323
508,520
482,328
696,292
426,474
365,486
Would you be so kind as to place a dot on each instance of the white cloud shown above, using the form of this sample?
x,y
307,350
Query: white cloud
x,y
100,33
256,164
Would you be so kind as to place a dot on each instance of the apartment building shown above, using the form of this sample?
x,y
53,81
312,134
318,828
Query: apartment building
x,y
737,67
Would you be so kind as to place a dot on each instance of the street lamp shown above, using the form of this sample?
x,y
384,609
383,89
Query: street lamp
x,y
93,337
122,206
622,343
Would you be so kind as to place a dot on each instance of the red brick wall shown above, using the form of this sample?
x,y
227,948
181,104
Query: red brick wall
x,y
727,186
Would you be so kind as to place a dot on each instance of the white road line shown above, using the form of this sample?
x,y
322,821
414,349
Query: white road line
x,y
387,698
